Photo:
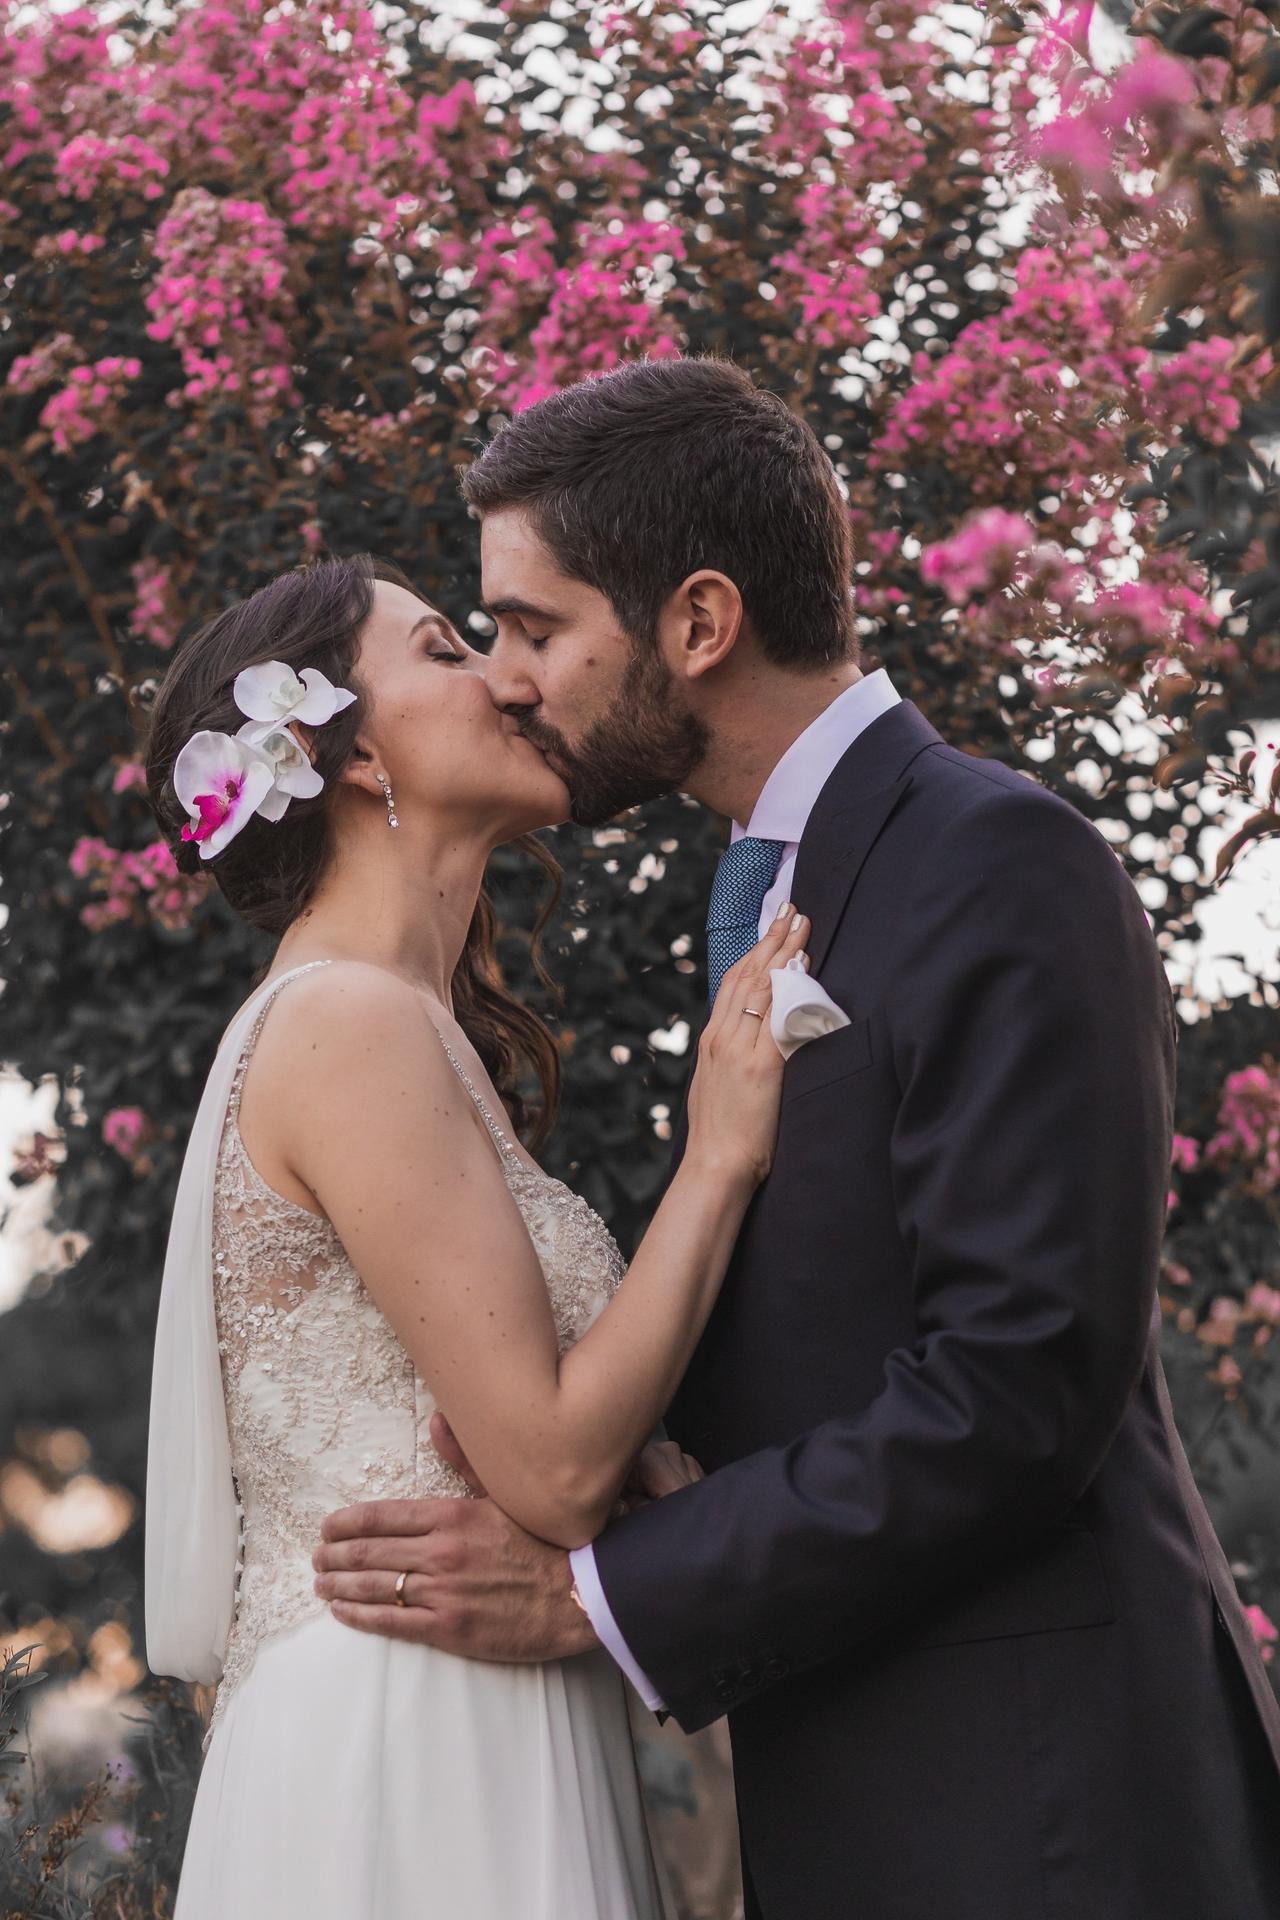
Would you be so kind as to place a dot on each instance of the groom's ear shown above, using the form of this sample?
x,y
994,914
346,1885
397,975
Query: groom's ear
x,y
701,623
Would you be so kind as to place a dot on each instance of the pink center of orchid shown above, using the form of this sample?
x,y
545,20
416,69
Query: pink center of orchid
x,y
214,808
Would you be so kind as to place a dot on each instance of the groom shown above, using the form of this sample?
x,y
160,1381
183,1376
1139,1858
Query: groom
x,y
948,1575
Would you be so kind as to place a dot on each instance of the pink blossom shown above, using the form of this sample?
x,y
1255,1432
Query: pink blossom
x,y
1248,1136
56,75
220,297
67,243
123,1129
1112,124
88,403
151,617
86,854
128,884
1186,1153
1219,1327
1200,389
49,361
1264,1630
86,164
508,272
1078,142
1264,1302
977,557
821,275
602,309
1153,86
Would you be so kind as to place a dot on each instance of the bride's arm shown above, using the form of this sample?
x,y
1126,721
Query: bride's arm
x,y
374,1121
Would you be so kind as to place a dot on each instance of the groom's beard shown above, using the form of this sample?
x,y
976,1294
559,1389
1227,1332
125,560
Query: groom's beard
x,y
645,746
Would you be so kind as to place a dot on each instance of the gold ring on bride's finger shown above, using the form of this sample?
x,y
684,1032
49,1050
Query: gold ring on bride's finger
x,y
400,1580
754,1012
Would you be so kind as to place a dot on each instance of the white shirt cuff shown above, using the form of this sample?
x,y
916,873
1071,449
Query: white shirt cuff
x,y
582,1562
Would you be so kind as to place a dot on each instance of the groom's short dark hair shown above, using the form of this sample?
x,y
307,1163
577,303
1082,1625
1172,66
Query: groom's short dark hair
x,y
637,478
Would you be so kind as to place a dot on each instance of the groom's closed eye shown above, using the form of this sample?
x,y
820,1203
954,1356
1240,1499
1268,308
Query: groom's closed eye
x,y
523,620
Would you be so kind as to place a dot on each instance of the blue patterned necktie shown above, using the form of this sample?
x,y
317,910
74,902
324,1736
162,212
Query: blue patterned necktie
x,y
745,874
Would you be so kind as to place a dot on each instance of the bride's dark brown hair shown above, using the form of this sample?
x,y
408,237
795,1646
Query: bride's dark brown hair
x,y
312,617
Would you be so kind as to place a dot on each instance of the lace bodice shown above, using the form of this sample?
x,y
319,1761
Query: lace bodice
x,y
324,1406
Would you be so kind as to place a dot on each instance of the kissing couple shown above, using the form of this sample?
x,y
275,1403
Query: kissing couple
x,y
922,1528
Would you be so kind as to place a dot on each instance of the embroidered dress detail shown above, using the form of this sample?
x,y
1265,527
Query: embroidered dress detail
x,y
324,1407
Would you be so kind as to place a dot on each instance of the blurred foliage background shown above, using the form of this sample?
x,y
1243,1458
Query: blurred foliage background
x,y
270,273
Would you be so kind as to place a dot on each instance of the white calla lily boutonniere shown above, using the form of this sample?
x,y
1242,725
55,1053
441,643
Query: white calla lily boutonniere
x,y
801,1009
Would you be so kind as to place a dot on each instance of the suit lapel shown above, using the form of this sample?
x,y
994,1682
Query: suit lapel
x,y
830,861
849,816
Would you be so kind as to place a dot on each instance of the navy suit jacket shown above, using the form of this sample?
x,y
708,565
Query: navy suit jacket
x,y
949,1575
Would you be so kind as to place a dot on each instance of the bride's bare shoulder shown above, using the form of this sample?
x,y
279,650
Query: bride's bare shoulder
x,y
351,1011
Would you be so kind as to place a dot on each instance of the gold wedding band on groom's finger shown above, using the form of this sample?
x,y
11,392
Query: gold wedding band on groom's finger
x,y
400,1580
754,1012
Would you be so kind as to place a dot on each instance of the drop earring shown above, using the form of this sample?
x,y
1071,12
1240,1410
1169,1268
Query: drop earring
x,y
385,784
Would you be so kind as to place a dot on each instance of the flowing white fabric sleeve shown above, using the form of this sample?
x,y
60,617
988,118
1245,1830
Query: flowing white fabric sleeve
x,y
192,1518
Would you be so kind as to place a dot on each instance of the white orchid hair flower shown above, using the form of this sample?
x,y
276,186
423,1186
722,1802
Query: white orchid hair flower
x,y
295,777
273,691
223,779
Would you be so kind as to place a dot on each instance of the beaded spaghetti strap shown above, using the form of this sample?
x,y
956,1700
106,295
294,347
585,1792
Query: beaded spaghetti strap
x,y
501,1139
246,1051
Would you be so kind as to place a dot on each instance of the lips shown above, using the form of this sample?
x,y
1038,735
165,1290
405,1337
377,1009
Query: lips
x,y
530,742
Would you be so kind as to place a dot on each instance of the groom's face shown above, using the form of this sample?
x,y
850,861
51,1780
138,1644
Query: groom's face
x,y
607,711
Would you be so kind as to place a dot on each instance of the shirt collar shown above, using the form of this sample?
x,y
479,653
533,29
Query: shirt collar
x,y
791,791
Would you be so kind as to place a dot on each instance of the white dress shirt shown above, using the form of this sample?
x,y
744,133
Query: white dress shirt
x,y
781,813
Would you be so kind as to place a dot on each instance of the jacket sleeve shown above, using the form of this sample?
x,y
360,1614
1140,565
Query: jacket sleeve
x,y
1032,1039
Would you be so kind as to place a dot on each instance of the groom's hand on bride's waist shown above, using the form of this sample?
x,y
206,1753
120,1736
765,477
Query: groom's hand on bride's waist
x,y
475,1583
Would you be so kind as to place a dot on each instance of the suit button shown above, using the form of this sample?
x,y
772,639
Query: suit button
x,y
775,1668
724,1689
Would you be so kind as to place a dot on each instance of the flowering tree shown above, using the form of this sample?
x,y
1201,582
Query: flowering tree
x,y
271,271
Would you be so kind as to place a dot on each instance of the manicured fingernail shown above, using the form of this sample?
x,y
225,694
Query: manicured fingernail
x,y
804,961
797,923
783,910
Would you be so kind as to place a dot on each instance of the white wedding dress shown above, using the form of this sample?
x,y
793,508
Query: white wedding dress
x,y
349,1777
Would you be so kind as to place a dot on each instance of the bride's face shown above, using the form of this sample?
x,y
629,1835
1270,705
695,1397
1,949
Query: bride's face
x,y
434,730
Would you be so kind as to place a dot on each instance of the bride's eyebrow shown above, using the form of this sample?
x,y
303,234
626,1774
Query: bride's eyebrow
x,y
436,620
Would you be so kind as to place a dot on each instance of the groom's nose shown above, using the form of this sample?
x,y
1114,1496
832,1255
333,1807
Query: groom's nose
x,y
510,684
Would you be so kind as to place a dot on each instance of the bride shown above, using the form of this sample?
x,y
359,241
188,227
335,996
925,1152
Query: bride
x,y
359,1236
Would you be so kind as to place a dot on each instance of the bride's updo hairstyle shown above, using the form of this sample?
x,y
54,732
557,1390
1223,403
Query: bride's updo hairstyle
x,y
269,872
